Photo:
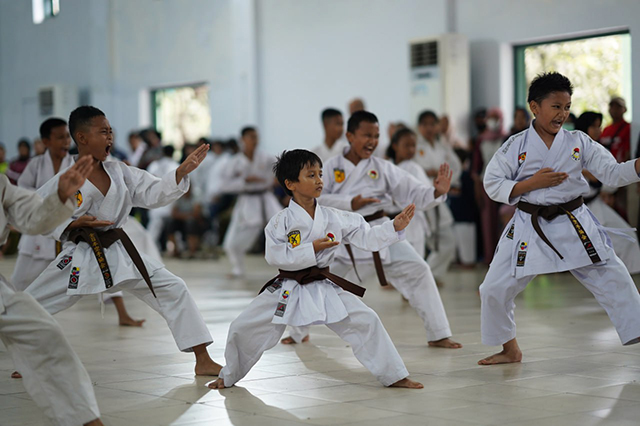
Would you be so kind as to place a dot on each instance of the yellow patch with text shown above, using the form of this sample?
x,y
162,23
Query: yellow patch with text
x,y
294,238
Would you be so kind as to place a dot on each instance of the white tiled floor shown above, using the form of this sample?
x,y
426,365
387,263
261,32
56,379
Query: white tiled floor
x,y
575,372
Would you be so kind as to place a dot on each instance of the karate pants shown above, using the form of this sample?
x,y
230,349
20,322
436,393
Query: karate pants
x,y
439,260
610,283
52,372
237,242
412,277
26,270
252,333
465,233
174,302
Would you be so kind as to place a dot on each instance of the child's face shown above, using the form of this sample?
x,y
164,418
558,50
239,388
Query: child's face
x,y
428,128
58,141
309,182
334,127
250,141
616,111
552,112
594,130
97,139
365,139
405,148
24,151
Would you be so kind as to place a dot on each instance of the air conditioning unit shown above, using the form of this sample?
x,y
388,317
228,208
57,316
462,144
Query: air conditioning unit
x,y
57,101
440,79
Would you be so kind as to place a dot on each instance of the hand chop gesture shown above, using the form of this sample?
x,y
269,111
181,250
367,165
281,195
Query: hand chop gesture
x,y
442,183
323,244
403,218
191,162
359,202
73,179
546,178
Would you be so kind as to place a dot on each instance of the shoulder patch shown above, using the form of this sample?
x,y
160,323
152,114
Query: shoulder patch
x,y
294,238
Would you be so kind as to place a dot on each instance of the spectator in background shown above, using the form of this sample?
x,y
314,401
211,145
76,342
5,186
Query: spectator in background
x,y
153,139
617,136
17,166
138,147
487,143
570,124
186,218
521,121
159,217
448,133
356,104
38,147
3,159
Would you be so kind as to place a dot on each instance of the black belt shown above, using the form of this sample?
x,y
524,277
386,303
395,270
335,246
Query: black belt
x,y
98,240
377,261
313,273
552,212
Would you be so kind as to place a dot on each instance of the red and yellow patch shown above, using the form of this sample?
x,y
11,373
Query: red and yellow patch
x,y
79,198
294,238
331,237
338,175
373,174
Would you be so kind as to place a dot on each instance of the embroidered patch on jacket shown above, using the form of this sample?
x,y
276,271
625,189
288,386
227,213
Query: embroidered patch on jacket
x,y
280,309
521,158
294,238
523,245
510,232
285,296
373,174
275,286
74,277
331,237
521,258
79,198
576,154
64,262
338,175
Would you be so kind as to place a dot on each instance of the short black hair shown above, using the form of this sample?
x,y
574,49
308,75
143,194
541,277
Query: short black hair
x,y
360,117
168,150
246,130
289,164
586,119
399,134
48,125
24,142
81,117
427,114
545,84
330,113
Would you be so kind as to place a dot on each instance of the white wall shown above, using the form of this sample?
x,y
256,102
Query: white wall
x,y
315,54
493,26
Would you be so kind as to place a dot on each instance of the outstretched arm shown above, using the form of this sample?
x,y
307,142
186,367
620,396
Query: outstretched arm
x,y
191,162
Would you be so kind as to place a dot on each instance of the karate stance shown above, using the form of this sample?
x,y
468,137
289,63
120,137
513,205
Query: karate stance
x,y
97,256
301,242
540,171
53,374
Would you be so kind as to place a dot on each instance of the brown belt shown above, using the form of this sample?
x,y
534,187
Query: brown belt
x,y
98,240
377,261
308,275
552,212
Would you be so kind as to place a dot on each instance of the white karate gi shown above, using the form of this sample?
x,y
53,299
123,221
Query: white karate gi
x,y
403,267
442,243
325,153
75,272
625,242
418,230
256,204
290,235
521,254
52,372
159,216
35,252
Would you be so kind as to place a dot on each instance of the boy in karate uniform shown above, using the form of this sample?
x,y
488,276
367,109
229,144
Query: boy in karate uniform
x,y
97,256
248,174
360,182
301,242
334,142
53,374
540,171
37,251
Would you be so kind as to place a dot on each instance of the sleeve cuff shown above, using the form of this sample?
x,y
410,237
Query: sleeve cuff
x,y
505,192
170,178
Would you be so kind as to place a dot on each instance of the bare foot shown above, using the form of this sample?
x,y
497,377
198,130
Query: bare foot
x,y
289,340
16,375
445,343
218,384
96,422
407,383
205,366
510,353
130,322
